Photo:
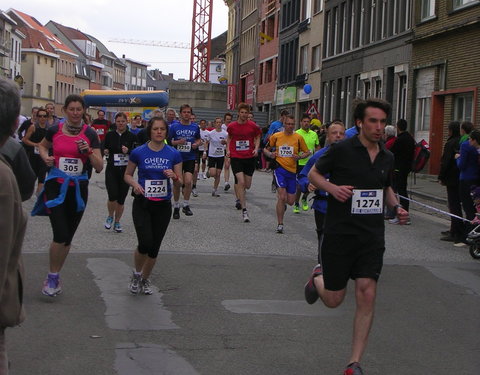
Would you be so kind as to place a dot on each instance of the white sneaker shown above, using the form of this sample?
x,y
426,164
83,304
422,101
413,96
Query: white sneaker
x,y
147,287
194,192
135,282
394,221
204,176
246,219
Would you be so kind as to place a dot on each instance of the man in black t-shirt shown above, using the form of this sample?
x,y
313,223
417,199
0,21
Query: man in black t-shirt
x,y
360,176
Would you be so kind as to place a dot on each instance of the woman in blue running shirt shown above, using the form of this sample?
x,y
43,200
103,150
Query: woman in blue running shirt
x,y
157,163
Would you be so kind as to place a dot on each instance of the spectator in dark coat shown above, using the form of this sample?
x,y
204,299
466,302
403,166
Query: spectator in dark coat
x,y
403,150
449,177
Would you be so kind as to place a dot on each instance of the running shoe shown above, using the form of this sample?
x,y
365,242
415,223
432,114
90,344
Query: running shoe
x,y
353,369
187,211
246,219
311,294
51,285
176,213
296,209
215,194
280,228
135,286
204,176
305,205
194,192
238,205
108,222
117,227
394,221
147,287
227,186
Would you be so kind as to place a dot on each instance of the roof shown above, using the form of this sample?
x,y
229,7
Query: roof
x,y
69,32
32,23
35,39
101,47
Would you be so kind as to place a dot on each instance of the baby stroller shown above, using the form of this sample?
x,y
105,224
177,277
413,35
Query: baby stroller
x,y
473,237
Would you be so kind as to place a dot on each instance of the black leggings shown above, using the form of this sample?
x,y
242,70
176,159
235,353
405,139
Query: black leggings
x,y
117,188
151,219
64,218
39,167
319,223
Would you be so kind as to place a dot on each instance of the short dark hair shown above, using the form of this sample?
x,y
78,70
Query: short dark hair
x,y
10,105
227,114
475,135
402,124
121,114
100,110
284,112
291,117
360,105
75,98
467,127
183,106
304,116
152,121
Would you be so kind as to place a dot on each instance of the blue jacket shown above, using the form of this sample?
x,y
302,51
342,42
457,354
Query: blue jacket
x,y
41,206
468,162
320,198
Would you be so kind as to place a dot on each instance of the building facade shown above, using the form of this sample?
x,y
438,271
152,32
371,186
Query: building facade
x,y
365,54
445,70
267,56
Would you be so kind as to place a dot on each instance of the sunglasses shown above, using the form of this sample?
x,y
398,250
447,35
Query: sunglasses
x,y
42,116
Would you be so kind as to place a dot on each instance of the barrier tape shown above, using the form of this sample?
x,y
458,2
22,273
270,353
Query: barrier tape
x,y
435,209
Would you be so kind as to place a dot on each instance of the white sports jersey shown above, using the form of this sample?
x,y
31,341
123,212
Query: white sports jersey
x,y
215,148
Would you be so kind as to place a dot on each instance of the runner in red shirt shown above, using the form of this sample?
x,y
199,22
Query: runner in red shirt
x,y
243,142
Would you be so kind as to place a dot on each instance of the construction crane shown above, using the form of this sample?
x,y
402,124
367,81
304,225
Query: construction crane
x,y
154,43
201,46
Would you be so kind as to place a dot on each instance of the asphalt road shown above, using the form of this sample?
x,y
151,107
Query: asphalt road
x,y
230,299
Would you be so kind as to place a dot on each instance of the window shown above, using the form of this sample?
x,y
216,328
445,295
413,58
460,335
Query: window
x,y
317,6
38,90
288,61
290,13
306,9
270,28
423,114
427,9
38,59
378,88
269,71
460,3
463,107
260,74
303,65
316,57
367,89
348,99
332,99
402,97
50,92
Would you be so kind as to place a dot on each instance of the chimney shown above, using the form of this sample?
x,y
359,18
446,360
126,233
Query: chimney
x,y
170,75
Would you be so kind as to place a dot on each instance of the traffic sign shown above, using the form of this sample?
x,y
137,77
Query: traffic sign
x,y
312,110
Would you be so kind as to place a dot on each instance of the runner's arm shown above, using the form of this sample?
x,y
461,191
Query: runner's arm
x,y
128,178
340,192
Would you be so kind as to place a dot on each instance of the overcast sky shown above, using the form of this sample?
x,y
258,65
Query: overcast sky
x,y
158,20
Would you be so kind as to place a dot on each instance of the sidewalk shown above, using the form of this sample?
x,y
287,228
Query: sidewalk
x,y
427,187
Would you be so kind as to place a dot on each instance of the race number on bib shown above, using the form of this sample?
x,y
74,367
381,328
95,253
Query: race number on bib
x,y
156,188
185,148
71,166
285,151
120,160
242,145
367,202
218,151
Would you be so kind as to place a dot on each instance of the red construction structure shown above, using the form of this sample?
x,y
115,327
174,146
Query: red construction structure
x,y
201,40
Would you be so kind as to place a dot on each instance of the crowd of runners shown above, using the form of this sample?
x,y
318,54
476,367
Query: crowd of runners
x,y
162,161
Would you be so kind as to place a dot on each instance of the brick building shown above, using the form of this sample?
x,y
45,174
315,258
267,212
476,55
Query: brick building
x,y
445,69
